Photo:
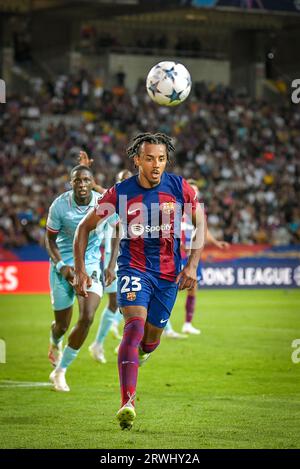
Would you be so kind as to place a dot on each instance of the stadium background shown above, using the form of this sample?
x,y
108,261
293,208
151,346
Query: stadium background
x,y
74,75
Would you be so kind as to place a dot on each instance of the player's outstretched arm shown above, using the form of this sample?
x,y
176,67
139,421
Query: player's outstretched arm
x,y
85,160
81,280
212,240
187,278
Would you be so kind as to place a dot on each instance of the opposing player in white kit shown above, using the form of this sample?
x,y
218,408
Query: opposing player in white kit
x,y
65,213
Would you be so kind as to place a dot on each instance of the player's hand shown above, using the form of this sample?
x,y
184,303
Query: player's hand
x,y
187,278
68,273
81,283
109,276
222,245
84,159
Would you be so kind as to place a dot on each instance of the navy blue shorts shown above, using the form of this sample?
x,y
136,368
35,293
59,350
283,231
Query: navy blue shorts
x,y
158,296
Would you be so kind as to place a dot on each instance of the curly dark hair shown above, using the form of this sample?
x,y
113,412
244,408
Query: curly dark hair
x,y
158,139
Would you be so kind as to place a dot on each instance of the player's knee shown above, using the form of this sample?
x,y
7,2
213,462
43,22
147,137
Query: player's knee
x,y
86,321
150,346
133,331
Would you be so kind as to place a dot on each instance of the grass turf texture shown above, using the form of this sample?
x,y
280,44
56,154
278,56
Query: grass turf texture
x,y
234,386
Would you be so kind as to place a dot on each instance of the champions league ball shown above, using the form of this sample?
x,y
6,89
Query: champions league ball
x,y
168,83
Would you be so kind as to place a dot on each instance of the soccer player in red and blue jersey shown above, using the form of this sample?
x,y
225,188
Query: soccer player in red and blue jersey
x,y
150,206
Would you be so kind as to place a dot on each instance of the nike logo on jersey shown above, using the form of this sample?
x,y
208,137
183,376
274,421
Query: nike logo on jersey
x,y
164,320
130,212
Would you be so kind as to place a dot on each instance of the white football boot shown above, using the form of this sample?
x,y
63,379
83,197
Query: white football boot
x,y
188,328
97,352
58,378
170,334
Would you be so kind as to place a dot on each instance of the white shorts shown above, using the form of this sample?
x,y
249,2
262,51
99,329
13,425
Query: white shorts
x,y
63,294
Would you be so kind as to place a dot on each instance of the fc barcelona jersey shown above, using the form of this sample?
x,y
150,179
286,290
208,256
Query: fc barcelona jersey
x,y
151,222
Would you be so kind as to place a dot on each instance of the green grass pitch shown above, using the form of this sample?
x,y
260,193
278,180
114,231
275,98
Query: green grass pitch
x,y
234,386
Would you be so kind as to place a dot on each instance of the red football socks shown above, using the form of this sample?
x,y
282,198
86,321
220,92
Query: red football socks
x,y
128,361
189,308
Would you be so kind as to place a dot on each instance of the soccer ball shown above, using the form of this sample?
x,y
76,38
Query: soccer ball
x,y
168,83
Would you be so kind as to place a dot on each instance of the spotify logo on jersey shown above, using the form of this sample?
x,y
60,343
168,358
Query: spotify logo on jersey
x,y
137,229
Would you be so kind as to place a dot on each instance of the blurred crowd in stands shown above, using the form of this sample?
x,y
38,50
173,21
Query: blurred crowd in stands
x,y
244,154
187,44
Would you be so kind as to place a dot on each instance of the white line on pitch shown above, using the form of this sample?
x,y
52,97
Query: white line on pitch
x,y
22,384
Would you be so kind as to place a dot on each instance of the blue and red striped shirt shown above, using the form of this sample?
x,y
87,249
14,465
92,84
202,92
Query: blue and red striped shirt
x,y
151,222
